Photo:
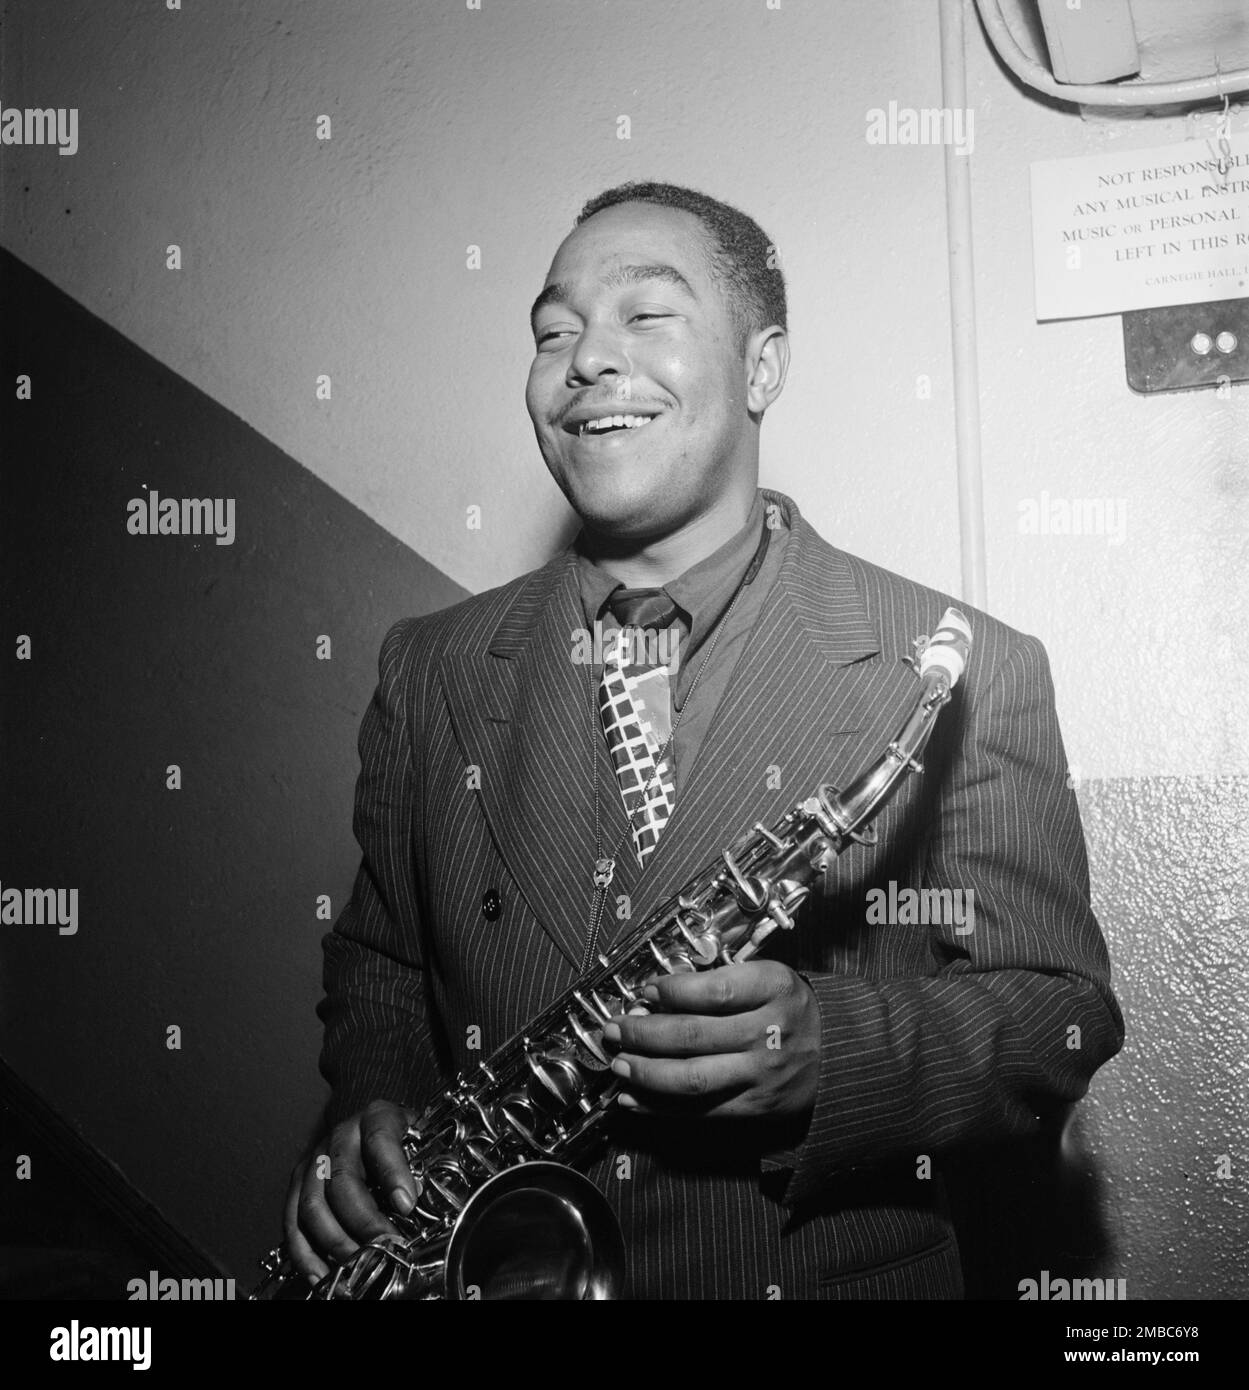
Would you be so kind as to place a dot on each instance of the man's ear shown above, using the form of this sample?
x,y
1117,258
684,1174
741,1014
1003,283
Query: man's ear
x,y
767,364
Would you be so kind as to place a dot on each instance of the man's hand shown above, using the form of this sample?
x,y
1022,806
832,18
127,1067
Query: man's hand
x,y
737,1040
328,1219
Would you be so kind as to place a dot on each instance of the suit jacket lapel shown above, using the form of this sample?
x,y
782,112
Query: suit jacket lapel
x,y
527,716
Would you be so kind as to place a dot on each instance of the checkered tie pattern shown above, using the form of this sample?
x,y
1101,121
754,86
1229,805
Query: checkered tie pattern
x,y
634,705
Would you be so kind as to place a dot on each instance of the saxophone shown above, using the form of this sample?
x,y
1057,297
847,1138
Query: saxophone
x,y
499,1212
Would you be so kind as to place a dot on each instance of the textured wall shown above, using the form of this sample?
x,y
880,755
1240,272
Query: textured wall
x,y
453,127
1169,858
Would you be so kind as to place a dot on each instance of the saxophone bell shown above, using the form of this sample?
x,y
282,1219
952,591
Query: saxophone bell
x,y
536,1231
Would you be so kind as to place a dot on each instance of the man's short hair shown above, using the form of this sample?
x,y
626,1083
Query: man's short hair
x,y
741,257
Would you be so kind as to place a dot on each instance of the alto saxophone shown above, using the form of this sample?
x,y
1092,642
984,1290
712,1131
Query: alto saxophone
x,y
499,1213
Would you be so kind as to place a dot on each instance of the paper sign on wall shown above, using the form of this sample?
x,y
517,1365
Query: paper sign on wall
x,y
1139,229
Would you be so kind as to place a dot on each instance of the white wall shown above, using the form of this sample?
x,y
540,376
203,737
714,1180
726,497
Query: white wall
x,y
1145,636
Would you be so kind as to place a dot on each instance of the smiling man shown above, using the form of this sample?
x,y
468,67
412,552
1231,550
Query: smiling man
x,y
518,808
621,330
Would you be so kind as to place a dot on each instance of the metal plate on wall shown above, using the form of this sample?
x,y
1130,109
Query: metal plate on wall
x,y
1187,345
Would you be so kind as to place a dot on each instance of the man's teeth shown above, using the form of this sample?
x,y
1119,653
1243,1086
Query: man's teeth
x,y
608,422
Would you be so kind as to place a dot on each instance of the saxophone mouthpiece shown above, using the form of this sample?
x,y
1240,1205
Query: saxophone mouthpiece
x,y
948,646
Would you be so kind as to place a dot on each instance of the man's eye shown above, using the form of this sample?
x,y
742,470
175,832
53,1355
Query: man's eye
x,y
647,314
550,333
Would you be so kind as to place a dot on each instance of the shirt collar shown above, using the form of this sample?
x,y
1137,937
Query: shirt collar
x,y
701,591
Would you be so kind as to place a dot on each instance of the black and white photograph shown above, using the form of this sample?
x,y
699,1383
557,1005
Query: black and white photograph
x,y
624,670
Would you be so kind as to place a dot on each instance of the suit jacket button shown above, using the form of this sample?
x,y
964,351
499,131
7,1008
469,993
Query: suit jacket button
x,y
491,905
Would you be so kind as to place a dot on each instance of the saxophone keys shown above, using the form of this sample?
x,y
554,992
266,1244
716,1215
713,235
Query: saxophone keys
x,y
757,938
704,946
749,892
481,1158
626,992
774,840
443,1180
689,936
660,959
599,1015
487,1122
587,1040
780,914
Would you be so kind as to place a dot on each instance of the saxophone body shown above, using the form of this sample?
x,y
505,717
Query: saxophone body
x,y
500,1213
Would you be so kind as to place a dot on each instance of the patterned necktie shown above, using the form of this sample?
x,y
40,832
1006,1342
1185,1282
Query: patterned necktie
x,y
636,710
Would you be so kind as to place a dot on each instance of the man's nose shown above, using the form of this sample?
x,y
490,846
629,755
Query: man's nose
x,y
600,352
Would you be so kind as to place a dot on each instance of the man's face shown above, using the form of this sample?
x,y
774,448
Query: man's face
x,y
631,324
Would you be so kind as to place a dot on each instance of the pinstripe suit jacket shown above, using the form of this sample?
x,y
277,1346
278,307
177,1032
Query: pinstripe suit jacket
x,y
932,1037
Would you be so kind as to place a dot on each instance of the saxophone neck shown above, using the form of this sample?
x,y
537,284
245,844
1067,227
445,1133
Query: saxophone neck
x,y
939,661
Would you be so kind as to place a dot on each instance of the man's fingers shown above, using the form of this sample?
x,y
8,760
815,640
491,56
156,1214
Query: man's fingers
x,y
686,1035
303,1256
350,1201
709,1078
330,1209
382,1128
317,1223
728,989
